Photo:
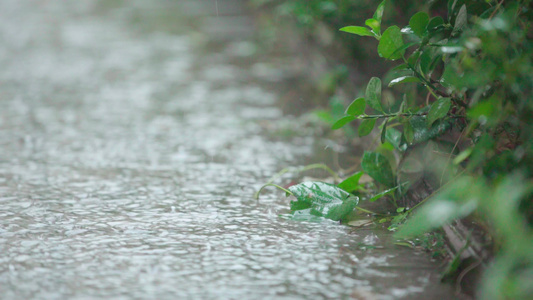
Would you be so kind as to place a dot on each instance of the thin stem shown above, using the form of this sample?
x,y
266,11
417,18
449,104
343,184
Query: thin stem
x,y
390,115
256,195
367,211
401,114
495,10
429,85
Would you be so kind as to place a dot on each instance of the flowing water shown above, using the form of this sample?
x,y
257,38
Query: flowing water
x,y
130,148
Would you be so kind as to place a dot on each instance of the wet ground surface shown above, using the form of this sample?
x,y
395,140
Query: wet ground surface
x,y
130,148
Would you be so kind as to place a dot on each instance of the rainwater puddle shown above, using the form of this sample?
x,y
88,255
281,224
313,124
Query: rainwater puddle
x,y
128,161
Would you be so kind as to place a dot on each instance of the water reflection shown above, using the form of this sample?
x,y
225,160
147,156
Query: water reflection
x,y
129,159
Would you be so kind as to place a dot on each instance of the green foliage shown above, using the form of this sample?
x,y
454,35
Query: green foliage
x,y
439,109
383,194
463,80
343,121
378,167
373,94
459,199
390,42
362,31
419,23
357,107
366,126
374,24
403,79
351,183
466,78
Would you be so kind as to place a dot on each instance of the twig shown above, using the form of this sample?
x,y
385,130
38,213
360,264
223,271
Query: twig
x,y
402,115
495,10
462,275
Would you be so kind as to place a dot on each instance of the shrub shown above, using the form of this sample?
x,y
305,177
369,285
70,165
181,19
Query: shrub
x,y
463,84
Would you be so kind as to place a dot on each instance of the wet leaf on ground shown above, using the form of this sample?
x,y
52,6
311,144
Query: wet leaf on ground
x,y
322,200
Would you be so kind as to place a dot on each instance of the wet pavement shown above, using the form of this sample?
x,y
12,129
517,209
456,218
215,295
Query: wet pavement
x,y
130,148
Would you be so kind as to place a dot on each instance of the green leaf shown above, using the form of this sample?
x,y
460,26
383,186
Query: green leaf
x,y
408,132
413,59
378,14
383,194
451,7
389,42
404,47
341,122
422,133
359,30
426,58
480,152
384,131
419,23
394,136
323,200
357,107
403,79
373,93
400,67
323,115
403,106
366,126
435,23
378,167
351,183
375,25
460,20
438,110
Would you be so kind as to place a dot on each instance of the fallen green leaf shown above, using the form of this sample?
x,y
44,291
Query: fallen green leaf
x,y
323,200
